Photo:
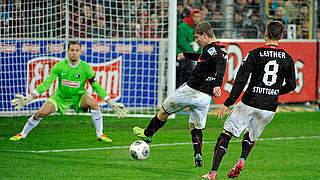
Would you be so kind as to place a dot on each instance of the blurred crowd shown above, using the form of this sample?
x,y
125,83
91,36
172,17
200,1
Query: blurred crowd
x,y
149,19
249,17
85,18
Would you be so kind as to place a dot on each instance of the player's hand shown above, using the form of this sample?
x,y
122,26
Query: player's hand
x,y
118,108
222,111
20,101
217,91
180,56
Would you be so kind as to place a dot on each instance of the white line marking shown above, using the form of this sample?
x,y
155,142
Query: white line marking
x,y
155,145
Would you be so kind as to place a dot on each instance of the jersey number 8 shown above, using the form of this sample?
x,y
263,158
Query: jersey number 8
x,y
270,75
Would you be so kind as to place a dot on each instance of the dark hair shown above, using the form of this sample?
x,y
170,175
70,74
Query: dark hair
x,y
274,30
73,42
204,27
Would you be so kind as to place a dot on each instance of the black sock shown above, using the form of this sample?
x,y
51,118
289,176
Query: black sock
x,y
154,125
220,150
196,135
247,146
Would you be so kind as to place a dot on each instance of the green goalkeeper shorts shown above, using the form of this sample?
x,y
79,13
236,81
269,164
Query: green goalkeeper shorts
x,y
62,104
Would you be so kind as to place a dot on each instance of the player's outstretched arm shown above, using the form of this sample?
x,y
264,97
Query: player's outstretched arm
x,y
20,100
46,84
118,108
191,56
222,111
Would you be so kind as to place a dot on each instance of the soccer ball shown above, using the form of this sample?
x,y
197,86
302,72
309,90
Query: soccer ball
x,y
139,150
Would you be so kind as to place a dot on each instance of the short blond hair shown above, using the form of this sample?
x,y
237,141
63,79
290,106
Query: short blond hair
x,y
204,27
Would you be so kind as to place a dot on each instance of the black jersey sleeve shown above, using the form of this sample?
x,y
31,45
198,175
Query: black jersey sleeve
x,y
221,68
290,79
191,56
241,80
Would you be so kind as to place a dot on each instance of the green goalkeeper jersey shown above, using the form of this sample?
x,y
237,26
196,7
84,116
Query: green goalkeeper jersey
x,y
71,80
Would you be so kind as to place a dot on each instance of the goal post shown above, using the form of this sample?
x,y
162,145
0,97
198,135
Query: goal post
x,y
125,42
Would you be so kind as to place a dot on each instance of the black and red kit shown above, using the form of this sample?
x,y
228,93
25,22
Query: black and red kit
x,y
271,72
210,68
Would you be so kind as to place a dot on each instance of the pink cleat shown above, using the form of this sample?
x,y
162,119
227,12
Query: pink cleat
x,y
235,171
212,175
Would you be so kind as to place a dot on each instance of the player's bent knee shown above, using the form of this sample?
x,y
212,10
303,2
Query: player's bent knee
x,y
163,115
40,114
94,106
91,103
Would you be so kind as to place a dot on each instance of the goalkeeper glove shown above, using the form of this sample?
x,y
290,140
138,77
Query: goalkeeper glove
x,y
20,101
118,108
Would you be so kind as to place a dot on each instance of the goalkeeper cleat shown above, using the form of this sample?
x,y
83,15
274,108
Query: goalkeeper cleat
x,y
104,138
198,160
140,134
235,171
210,175
17,137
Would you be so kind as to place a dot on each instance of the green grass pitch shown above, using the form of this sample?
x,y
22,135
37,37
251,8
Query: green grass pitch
x,y
274,157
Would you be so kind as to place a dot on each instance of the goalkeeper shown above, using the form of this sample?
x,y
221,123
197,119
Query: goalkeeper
x,y
72,75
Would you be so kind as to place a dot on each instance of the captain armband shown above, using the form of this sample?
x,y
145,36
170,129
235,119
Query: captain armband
x,y
92,80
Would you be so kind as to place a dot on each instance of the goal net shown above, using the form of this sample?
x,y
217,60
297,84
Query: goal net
x,y
124,41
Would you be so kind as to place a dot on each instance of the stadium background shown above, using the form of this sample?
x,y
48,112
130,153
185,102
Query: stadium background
x,y
129,43
137,34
